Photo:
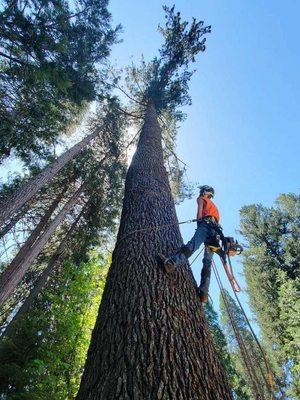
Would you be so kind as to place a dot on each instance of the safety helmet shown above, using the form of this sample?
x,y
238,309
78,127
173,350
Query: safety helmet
x,y
205,189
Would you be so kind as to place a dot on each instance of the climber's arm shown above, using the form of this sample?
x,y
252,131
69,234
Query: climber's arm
x,y
200,208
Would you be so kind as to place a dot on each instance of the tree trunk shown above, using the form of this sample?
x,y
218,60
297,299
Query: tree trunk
x,y
38,286
6,228
12,204
22,254
151,339
13,275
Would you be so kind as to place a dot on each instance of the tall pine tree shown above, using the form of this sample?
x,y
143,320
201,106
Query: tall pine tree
x,y
151,339
50,57
272,270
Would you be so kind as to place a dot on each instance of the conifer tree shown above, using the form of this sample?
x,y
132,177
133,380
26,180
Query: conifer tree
x,y
151,340
272,267
50,57
101,165
43,357
107,122
16,270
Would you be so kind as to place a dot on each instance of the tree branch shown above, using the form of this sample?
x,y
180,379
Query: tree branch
x,y
12,58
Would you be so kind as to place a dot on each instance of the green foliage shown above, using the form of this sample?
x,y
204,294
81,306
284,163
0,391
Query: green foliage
x,y
49,69
218,335
44,357
275,231
272,266
289,314
101,165
164,80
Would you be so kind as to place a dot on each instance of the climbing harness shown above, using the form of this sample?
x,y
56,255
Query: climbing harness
x,y
229,246
225,247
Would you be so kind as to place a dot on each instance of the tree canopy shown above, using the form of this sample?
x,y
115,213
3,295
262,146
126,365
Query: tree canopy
x,y
51,52
164,80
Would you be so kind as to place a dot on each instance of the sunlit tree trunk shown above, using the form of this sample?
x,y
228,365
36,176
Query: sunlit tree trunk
x,y
54,261
13,203
13,221
14,273
151,340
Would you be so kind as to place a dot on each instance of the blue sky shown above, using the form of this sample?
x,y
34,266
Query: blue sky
x,y
241,134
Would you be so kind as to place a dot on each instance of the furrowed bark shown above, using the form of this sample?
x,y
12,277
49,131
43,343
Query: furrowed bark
x,y
151,339
38,286
13,203
12,276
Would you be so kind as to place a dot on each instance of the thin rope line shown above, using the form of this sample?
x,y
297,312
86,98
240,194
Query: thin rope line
x,y
244,352
155,228
191,263
269,371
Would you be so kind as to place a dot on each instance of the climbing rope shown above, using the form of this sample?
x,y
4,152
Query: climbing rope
x,y
244,352
192,262
269,380
155,228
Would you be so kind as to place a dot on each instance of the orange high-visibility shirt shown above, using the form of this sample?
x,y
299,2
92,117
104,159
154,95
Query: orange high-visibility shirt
x,y
209,209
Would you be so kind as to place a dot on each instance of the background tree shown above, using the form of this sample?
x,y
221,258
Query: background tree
x,y
271,265
50,57
101,165
20,191
44,356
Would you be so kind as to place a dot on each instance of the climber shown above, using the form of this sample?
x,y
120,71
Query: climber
x,y
207,227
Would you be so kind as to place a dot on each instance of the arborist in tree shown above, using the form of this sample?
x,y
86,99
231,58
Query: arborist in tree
x,y
209,232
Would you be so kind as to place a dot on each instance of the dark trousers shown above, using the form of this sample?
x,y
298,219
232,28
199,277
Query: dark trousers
x,y
203,232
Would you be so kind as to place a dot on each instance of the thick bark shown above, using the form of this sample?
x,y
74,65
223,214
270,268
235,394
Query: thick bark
x,y
151,339
12,204
13,275
38,286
